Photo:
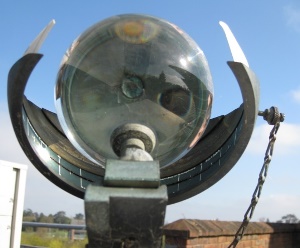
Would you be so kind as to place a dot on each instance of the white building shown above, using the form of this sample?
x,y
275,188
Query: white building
x,y
12,191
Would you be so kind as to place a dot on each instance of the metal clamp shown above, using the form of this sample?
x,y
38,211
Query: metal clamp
x,y
129,212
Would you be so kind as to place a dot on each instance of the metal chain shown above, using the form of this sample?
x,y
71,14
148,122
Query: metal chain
x,y
273,117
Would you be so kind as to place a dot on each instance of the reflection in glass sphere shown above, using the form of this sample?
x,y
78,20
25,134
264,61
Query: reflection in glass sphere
x,y
134,69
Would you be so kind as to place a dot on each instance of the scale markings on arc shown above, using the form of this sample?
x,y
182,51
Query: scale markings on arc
x,y
40,134
228,140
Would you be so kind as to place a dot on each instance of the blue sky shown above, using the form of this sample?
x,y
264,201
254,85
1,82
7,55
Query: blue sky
x,y
269,34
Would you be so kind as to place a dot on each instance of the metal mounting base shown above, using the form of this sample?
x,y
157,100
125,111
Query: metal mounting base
x,y
123,216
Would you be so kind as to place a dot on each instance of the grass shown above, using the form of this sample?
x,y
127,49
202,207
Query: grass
x,y
57,239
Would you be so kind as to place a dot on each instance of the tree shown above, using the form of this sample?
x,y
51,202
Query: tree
x,y
28,212
45,219
29,215
79,216
289,218
61,218
263,219
162,77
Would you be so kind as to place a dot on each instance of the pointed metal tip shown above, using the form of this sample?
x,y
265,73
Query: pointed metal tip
x,y
235,49
222,23
39,40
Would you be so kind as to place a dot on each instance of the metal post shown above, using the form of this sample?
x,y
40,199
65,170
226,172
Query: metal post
x,y
130,211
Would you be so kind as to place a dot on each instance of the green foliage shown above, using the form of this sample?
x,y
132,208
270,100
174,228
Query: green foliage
x,y
31,238
56,243
46,237
79,216
29,215
28,212
289,218
61,218
50,241
45,219
77,244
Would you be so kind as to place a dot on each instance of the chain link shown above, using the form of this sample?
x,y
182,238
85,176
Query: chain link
x,y
268,114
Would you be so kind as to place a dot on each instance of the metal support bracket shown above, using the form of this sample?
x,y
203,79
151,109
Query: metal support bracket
x,y
129,212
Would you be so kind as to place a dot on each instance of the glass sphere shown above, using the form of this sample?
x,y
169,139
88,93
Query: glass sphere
x,y
134,69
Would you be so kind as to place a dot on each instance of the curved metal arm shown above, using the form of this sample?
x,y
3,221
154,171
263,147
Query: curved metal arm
x,y
221,146
44,143
35,46
235,49
41,140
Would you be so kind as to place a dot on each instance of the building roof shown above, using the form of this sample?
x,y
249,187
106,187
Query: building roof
x,y
189,228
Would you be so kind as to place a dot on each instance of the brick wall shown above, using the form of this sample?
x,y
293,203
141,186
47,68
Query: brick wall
x,y
220,234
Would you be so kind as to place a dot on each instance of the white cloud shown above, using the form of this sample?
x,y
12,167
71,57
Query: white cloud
x,y
292,15
287,140
285,204
296,95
